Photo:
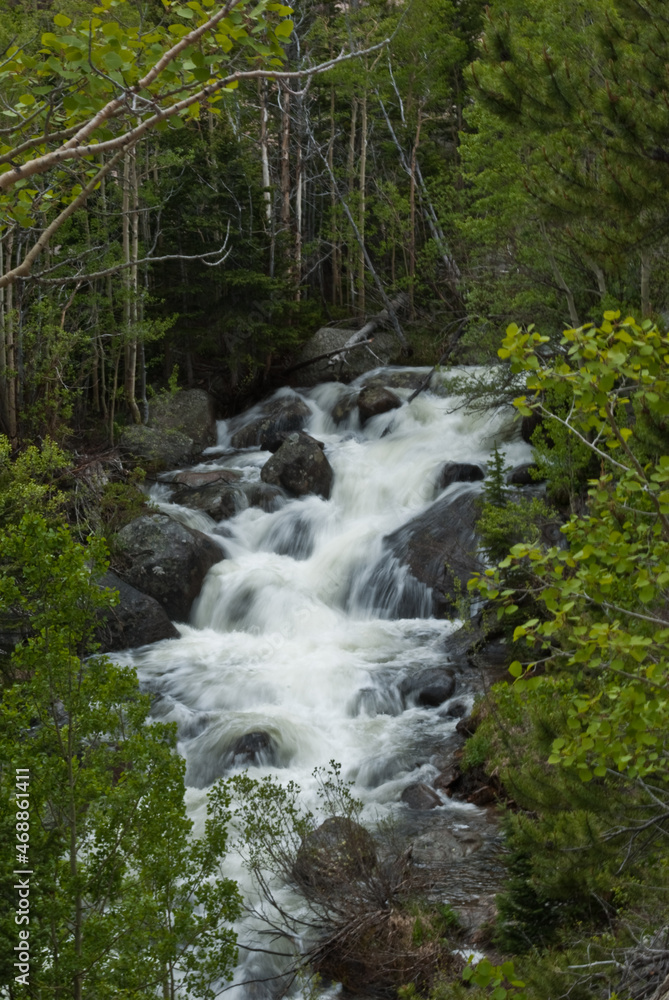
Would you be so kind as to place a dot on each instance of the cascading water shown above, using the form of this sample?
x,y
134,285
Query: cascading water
x,y
295,641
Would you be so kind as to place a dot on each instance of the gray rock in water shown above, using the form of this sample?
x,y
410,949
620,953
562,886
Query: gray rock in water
x,y
420,796
166,560
522,475
253,748
439,549
344,407
136,620
429,687
300,467
285,414
397,378
357,362
162,448
190,412
374,399
195,478
459,472
338,852
221,499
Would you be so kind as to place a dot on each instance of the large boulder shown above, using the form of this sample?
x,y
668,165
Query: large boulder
x,y
166,560
375,399
190,412
459,472
439,549
136,620
195,478
279,415
300,467
253,748
397,378
336,853
161,448
525,475
357,361
428,687
222,500
420,796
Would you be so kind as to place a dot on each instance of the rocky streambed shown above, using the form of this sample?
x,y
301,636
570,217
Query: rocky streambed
x,y
307,575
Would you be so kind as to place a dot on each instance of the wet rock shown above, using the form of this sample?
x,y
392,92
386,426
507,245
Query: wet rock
x,y
467,726
430,687
454,711
459,472
165,560
492,658
446,779
253,748
473,785
374,400
484,796
344,407
337,852
194,478
300,467
137,620
376,701
522,475
189,412
265,495
221,500
439,549
420,796
161,448
286,413
396,378
357,361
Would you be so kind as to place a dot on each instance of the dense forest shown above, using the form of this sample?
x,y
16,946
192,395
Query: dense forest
x,y
188,192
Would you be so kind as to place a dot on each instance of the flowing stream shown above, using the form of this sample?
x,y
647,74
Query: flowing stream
x,y
293,637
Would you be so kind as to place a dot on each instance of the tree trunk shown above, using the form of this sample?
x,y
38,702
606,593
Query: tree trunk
x,y
130,246
264,153
363,203
350,174
646,307
336,253
412,216
299,192
285,160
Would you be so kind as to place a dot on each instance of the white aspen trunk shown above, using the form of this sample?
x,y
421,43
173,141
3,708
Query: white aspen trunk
x,y
363,203
299,191
336,262
130,236
350,173
264,152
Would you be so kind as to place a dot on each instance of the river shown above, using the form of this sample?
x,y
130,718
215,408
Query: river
x,y
296,633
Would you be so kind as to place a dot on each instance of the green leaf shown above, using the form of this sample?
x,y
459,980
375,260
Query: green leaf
x,y
284,29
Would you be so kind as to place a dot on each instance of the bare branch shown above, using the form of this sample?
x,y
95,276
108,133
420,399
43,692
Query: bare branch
x,y
23,269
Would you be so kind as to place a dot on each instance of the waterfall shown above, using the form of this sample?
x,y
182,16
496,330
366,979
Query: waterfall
x,y
297,633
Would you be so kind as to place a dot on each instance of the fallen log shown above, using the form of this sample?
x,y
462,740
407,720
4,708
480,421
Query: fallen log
x,y
370,326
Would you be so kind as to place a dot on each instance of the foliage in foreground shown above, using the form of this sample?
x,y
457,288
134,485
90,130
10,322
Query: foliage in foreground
x,y
581,739
122,901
